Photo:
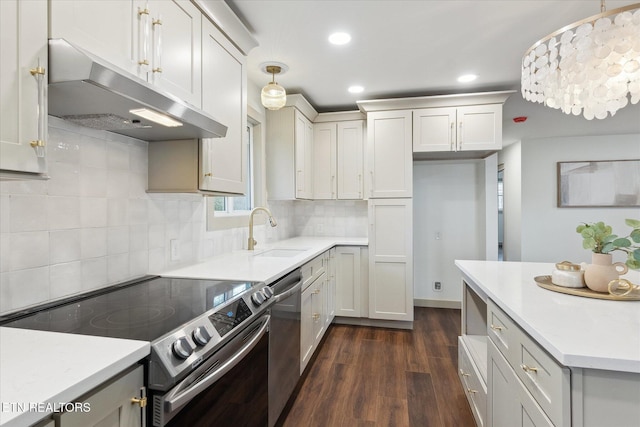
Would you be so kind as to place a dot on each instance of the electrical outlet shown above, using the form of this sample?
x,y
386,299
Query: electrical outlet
x,y
174,246
437,286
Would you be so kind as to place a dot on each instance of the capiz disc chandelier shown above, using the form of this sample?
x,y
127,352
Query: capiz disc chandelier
x,y
590,67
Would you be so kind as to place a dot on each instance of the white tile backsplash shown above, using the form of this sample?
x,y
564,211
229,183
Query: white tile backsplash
x,y
92,224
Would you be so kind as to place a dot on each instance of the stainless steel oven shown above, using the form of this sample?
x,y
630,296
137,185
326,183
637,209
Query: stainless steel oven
x,y
229,388
209,359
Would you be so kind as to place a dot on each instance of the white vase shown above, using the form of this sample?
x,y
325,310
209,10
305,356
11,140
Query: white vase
x,y
601,271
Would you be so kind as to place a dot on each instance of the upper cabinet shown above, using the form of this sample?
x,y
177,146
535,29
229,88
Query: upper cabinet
x,y
23,77
390,163
289,150
477,127
117,31
448,126
224,96
338,150
157,40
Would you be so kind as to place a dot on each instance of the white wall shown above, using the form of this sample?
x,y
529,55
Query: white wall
x,y
542,231
447,200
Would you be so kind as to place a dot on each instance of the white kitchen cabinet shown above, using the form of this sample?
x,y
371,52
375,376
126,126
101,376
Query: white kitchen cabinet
x,y
312,316
391,259
118,31
118,403
23,122
330,287
177,49
348,281
289,150
389,149
468,128
157,40
224,95
338,149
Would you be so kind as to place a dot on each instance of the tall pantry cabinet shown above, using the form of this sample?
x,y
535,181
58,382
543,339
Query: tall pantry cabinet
x,y
389,166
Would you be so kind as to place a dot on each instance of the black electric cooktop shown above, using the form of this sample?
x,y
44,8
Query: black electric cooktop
x,y
143,311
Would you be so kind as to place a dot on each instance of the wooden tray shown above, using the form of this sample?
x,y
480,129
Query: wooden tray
x,y
545,282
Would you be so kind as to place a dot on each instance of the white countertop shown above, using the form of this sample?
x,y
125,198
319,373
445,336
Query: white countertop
x,y
251,266
39,367
577,331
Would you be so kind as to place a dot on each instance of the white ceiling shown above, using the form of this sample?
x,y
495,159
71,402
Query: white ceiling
x,y
418,47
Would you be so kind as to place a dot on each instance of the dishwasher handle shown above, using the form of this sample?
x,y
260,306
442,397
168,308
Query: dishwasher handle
x,y
179,397
286,294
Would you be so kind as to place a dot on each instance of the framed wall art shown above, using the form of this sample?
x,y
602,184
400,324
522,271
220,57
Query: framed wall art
x,y
607,183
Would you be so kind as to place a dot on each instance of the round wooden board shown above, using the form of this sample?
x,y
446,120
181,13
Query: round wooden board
x,y
545,282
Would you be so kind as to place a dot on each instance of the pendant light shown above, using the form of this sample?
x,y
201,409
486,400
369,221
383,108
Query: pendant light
x,y
590,67
273,95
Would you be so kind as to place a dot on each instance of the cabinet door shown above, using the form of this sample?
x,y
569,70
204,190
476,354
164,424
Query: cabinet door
x,y
389,136
324,161
114,30
111,405
304,149
480,127
348,284
350,142
434,129
177,46
306,327
508,402
390,259
318,306
23,41
224,96
330,287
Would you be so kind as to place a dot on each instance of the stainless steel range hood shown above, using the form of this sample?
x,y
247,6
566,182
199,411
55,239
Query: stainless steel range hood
x,y
91,92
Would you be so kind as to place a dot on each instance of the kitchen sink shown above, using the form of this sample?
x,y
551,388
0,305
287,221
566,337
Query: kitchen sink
x,y
281,253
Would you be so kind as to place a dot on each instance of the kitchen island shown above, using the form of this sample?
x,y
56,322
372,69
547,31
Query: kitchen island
x,y
544,357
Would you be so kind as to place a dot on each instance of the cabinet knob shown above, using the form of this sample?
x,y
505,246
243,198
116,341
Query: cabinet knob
x,y
157,70
37,71
208,174
142,401
316,316
472,391
463,373
527,368
496,328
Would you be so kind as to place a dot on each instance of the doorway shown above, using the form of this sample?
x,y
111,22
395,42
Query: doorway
x,y
501,212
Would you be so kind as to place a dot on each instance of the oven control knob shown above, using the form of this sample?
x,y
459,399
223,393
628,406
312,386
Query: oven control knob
x,y
268,292
258,298
200,336
181,348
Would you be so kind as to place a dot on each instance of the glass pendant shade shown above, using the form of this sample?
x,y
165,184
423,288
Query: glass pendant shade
x,y
273,96
589,68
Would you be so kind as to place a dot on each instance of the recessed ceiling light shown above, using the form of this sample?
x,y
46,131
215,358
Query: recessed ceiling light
x,y
339,38
467,78
355,89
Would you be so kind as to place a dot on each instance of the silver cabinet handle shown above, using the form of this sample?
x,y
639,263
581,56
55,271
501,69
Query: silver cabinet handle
x,y
157,51
143,37
39,144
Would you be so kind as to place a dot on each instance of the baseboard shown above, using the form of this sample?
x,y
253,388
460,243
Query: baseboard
x,y
437,303
377,323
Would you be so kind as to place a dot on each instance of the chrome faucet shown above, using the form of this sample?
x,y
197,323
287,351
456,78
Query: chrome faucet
x,y
272,221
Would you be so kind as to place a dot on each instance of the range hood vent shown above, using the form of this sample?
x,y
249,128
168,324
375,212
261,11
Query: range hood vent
x,y
90,92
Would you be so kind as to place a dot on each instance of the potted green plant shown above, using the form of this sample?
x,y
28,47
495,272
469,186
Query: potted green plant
x,y
599,238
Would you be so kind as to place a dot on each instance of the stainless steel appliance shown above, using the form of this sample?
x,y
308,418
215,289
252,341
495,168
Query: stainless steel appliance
x,y
209,343
284,343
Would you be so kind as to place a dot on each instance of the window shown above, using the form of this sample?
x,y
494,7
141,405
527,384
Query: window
x,y
240,204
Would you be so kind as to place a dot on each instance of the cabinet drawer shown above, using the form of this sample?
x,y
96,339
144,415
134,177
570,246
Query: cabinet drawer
x,y
312,270
546,380
502,330
472,383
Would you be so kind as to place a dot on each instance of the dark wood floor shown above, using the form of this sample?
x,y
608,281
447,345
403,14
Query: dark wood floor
x,y
366,376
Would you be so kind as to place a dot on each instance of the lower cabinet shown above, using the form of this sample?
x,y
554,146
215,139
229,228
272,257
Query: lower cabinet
x,y
347,281
330,310
509,404
312,323
118,403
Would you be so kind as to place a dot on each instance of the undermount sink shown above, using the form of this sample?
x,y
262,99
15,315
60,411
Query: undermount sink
x,y
281,253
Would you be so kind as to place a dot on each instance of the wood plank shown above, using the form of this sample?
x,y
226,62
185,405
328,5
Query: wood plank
x,y
421,400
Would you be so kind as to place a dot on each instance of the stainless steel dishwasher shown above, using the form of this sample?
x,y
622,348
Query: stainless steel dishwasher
x,y
284,342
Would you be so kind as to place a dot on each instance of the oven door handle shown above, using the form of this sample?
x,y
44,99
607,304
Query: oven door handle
x,y
177,397
286,294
